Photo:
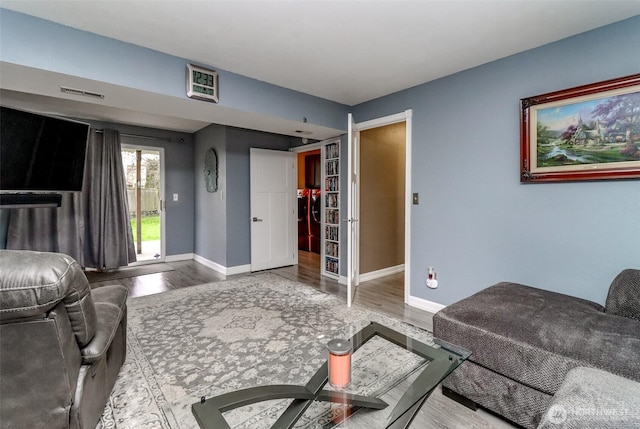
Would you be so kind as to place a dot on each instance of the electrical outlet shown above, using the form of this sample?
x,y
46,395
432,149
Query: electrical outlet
x,y
432,281
175,197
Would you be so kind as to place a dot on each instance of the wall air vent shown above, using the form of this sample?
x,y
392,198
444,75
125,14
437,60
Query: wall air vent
x,y
81,92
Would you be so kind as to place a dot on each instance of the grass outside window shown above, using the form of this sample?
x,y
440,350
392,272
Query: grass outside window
x,y
150,228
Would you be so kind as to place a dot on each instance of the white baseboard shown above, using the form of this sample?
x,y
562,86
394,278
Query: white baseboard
x,y
177,258
423,304
210,264
239,269
227,271
374,274
371,275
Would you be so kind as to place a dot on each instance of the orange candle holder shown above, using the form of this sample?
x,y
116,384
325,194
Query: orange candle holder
x,y
339,363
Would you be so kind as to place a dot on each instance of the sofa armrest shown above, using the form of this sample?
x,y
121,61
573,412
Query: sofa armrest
x,y
624,295
111,307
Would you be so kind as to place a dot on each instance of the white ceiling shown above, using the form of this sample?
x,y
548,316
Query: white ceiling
x,y
346,51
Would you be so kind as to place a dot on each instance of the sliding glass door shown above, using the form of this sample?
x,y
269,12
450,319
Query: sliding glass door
x,y
143,170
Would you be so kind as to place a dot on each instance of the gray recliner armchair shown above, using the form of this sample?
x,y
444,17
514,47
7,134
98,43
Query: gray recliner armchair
x,y
61,343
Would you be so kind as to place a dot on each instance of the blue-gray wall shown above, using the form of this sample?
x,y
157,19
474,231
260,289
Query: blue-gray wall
x,y
42,44
223,230
476,224
210,207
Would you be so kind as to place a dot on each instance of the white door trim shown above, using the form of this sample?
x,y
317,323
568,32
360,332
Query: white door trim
x,y
405,116
385,120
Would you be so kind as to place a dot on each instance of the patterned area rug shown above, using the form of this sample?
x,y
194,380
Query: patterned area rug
x,y
260,329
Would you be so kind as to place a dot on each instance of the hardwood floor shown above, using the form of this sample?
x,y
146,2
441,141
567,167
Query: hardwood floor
x,y
184,274
385,295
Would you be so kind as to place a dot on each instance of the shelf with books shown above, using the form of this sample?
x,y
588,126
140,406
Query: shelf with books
x,y
331,248
332,199
331,266
332,183
332,150
332,233
331,212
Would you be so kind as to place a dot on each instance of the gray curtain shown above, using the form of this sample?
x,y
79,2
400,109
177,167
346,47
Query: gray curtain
x,y
49,229
92,226
108,236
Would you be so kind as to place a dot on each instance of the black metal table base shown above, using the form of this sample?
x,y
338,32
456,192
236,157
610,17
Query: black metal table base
x,y
208,412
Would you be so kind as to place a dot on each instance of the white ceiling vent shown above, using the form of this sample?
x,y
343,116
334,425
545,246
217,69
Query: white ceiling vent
x,y
81,92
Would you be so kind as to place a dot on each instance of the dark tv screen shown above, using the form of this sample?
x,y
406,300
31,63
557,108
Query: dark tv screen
x,y
41,153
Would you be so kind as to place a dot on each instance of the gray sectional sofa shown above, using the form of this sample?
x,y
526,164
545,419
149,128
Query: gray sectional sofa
x,y
526,340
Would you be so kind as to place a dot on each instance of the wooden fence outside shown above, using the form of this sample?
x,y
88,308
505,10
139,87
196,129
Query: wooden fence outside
x,y
150,201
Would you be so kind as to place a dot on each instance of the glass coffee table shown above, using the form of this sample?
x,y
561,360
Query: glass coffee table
x,y
435,364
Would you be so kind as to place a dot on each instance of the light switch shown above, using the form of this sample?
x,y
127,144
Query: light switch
x,y
416,199
175,197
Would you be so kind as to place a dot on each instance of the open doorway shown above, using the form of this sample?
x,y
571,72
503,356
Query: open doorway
x,y
382,203
309,199
143,171
400,213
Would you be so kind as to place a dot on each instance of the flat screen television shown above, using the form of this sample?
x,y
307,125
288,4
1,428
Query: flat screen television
x,y
41,153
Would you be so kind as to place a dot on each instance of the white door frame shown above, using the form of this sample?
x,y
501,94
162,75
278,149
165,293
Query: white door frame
x,y
311,148
163,203
406,117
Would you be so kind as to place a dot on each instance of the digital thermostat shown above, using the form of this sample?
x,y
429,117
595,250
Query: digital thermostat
x,y
202,83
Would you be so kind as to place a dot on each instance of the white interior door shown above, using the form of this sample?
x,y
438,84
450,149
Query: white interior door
x,y
353,227
273,209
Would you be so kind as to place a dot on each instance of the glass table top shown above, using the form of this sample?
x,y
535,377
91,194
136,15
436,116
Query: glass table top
x,y
393,374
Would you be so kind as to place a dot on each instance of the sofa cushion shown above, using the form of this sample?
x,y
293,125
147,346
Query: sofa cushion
x,y
624,295
592,398
535,336
110,303
32,283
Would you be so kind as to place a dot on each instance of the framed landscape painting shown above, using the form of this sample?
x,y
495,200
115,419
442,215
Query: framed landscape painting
x,y
591,132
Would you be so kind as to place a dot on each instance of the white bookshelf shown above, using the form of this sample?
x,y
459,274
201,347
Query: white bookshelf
x,y
331,208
